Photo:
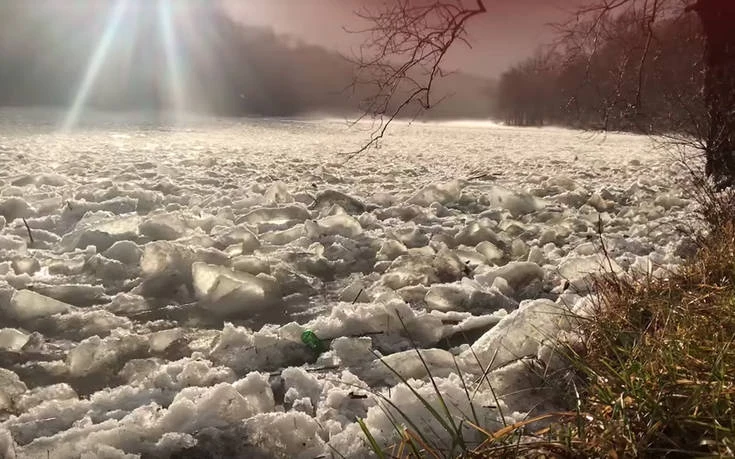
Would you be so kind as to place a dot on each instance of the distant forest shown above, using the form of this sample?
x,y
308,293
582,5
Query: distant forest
x,y
617,81
223,68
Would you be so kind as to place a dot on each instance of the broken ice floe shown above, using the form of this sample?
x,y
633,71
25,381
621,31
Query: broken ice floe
x,y
157,306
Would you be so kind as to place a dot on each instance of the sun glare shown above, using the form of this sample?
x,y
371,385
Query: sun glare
x,y
96,63
122,24
173,57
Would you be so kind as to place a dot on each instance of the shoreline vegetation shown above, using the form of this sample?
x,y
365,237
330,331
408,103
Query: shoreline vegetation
x,y
650,370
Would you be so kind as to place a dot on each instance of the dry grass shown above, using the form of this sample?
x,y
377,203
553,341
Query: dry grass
x,y
660,363
657,373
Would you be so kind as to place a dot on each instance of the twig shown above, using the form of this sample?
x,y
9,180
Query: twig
x,y
30,234
402,57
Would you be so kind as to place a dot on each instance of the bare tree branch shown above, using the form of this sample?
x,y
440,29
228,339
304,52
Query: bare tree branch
x,y
399,63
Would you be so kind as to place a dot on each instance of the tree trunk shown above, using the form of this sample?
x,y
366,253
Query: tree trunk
x,y
718,23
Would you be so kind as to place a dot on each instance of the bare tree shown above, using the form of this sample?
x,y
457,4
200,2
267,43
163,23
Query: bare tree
x,y
717,17
408,41
401,60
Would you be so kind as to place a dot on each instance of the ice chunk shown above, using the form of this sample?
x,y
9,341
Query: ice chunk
x,y
562,181
518,386
164,227
242,350
470,257
83,324
516,203
328,198
12,244
410,235
547,236
284,237
300,384
14,207
159,341
403,401
518,274
6,295
420,267
278,194
251,265
42,239
219,406
519,250
536,255
290,282
519,334
442,193
408,270
341,225
574,199
668,201
276,215
166,266
18,281
187,372
391,249
256,387
148,200
226,292
48,206
12,339
109,271
101,230
40,179
465,295
227,236
11,388
74,294
405,212
599,203
353,351
409,365
580,270
447,297
26,265
27,305
477,232
310,262
448,266
38,395
378,318
292,434
96,355
126,252
355,292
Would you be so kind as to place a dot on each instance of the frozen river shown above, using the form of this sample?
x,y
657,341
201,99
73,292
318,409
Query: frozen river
x,y
160,308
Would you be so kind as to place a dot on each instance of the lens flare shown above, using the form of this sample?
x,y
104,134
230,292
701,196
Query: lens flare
x,y
173,56
95,64
150,53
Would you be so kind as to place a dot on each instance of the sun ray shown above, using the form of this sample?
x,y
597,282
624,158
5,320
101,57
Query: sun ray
x,y
95,64
172,53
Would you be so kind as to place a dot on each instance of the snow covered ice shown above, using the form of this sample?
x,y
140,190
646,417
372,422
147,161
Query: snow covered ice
x,y
160,308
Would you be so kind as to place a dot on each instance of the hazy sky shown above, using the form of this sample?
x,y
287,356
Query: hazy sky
x,y
510,31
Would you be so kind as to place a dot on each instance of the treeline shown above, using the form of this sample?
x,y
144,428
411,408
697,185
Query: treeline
x,y
621,80
47,48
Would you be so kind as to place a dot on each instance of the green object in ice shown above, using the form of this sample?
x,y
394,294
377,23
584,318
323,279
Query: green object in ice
x,y
312,341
